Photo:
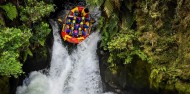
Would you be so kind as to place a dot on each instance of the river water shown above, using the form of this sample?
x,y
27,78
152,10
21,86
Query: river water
x,y
75,73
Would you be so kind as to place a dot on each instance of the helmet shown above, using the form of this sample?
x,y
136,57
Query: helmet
x,y
83,18
74,21
72,28
81,23
80,28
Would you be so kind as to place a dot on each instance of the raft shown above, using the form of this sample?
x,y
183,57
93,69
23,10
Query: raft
x,y
69,38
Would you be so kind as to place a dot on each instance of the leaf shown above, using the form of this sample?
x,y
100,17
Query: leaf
x,y
11,11
128,59
41,42
28,52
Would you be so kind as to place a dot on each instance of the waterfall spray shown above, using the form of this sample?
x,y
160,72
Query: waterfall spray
x,y
77,73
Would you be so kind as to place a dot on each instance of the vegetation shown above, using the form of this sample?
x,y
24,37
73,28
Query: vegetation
x,y
149,31
12,41
34,10
20,39
11,11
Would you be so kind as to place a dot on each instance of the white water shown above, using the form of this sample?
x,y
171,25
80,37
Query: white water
x,y
77,73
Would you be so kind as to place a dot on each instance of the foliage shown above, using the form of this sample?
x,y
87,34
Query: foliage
x,y
154,31
12,40
119,40
156,76
109,30
11,11
123,48
40,34
10,64
33,11
16,44
163,36
94,2
101,21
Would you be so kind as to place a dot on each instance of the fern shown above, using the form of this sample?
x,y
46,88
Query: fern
x,y
11,11
110,29
27,52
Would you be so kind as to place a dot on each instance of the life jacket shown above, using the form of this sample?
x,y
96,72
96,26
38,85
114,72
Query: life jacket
x,y
75,33
86,30
68,31
79,19
77,26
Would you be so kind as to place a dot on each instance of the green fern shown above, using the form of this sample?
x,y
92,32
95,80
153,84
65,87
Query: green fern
x,y
110,29
27,52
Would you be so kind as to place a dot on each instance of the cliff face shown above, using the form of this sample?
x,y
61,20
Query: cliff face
x,y
146,44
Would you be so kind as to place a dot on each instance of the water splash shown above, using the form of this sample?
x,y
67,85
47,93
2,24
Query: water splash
x,y
77,73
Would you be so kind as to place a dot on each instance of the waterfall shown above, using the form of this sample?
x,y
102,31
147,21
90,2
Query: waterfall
x,y
75,73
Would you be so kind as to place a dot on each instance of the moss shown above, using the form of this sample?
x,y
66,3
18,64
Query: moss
x,y
182,87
